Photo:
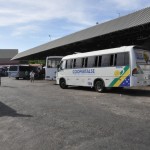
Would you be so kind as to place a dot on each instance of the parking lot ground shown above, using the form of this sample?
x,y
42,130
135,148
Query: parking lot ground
x,y
42,116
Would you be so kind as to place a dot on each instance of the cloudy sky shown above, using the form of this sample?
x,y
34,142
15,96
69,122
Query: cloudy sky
x,y
25,24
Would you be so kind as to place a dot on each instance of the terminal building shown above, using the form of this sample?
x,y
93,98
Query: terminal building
x,y
132,29
6,55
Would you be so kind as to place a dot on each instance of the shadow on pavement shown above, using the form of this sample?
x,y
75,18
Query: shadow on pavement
x,y
81,88
130,92
8,111
8,86
123,91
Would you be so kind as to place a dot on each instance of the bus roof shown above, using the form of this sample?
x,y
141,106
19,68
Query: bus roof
x,y
98,52
54,57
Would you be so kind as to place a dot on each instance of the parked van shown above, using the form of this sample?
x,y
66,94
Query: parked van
x,y
20,71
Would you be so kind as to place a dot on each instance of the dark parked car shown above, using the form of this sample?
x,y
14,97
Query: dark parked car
x,y
3,72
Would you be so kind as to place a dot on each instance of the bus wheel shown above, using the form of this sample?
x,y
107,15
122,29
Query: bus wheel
x,y
99,86
63,84
17,78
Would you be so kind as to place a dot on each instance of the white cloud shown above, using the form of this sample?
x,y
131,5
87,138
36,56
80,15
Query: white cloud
x,y
130,5
17,11
127,3
75,11
25,29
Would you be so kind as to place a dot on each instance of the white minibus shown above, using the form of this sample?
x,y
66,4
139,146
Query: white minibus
x,y
18,71
52,63
125,66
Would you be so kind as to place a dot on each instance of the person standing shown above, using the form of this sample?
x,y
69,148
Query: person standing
x,y
26,74
32,76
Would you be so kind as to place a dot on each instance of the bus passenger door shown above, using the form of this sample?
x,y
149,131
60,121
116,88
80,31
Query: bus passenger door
x,y
61,70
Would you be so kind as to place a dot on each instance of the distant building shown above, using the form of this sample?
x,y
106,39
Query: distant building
x,y
6,55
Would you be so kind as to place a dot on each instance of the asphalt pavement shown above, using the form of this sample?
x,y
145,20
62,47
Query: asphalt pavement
x,y
42,116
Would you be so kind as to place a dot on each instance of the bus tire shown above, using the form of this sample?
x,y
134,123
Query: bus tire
x,y
63,84
99,86
17,78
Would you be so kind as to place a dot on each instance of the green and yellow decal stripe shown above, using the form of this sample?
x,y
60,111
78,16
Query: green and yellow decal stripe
x,y
123,76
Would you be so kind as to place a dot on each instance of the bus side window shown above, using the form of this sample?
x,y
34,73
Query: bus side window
x,y
78,63
84,62
126,58
119,59
96,61
105,61
91,62
115,61
74,63
112,60
83,59
99,61
69,64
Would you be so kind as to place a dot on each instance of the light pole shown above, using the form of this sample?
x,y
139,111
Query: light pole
x,y
50,37
118,14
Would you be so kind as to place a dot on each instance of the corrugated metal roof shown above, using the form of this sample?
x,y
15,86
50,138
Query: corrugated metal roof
x,y
132,20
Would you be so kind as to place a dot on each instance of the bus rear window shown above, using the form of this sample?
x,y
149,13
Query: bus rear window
x,y
142,57
53,62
